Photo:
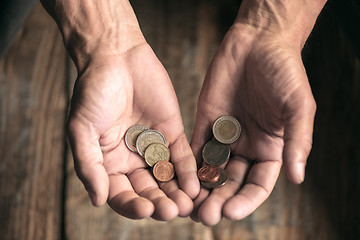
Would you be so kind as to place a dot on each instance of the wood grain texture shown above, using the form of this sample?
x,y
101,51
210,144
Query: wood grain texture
x,y
32,112
334,73
185,35
36,79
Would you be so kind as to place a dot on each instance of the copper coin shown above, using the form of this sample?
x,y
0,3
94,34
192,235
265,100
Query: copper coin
x,y
209,174
164,171
220,182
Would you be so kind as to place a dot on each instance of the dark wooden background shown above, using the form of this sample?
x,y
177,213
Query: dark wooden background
x,y
41,197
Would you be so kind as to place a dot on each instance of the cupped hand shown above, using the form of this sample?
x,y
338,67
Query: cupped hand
x,y
113,93
260,80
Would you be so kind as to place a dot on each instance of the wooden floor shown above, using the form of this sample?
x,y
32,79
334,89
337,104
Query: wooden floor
x,y
41,197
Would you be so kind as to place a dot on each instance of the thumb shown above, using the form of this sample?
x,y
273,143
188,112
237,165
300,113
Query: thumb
x,y
298,136
201,134
88,161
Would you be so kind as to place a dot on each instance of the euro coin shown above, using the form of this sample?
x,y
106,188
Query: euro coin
x,y
226,129
146,138
164,171
132,134
215,153
220,182
209,174
156,152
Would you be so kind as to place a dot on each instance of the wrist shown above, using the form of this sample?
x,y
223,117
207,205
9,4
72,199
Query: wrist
x,y
84,48
93,29
289,20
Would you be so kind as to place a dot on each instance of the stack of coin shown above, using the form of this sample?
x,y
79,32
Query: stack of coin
x,y
150,144
226,130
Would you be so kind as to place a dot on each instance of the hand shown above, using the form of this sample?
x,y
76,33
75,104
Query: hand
x,y
260,80
113,93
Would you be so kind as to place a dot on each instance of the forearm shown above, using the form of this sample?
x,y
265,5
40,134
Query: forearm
x,y
93,28
288,19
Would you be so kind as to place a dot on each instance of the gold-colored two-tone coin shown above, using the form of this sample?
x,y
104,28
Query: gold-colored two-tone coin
x,y
215,153
146,138
164,171
220,182
156,152
132,134
226,129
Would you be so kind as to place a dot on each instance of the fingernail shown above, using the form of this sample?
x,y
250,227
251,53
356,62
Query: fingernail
x,y
300,172
92,197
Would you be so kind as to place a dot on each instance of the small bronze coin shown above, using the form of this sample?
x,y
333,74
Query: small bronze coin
x,y
226,129
146,138
220,182
156,152
209,174
132,134
215,153
164,171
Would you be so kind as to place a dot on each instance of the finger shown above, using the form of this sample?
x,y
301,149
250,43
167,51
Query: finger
x,y
88,161
182,200
145,185
204,193
258,186
201,134
298,137
124,201
185,166
210,212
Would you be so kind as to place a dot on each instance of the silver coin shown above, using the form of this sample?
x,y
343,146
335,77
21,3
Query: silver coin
x,y
215,153
222,180
146,138
226,129
132,134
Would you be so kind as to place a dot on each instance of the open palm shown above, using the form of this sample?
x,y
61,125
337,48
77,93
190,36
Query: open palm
x,y
111,95
262,82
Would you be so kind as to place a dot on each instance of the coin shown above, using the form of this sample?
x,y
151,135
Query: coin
x,y
146,138
164,171
156,152
226,129
215,153
209,174
132,134
222,180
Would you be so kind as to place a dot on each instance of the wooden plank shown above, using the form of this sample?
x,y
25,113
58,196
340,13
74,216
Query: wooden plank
x,y
33,104
334,72
32,114
184,35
